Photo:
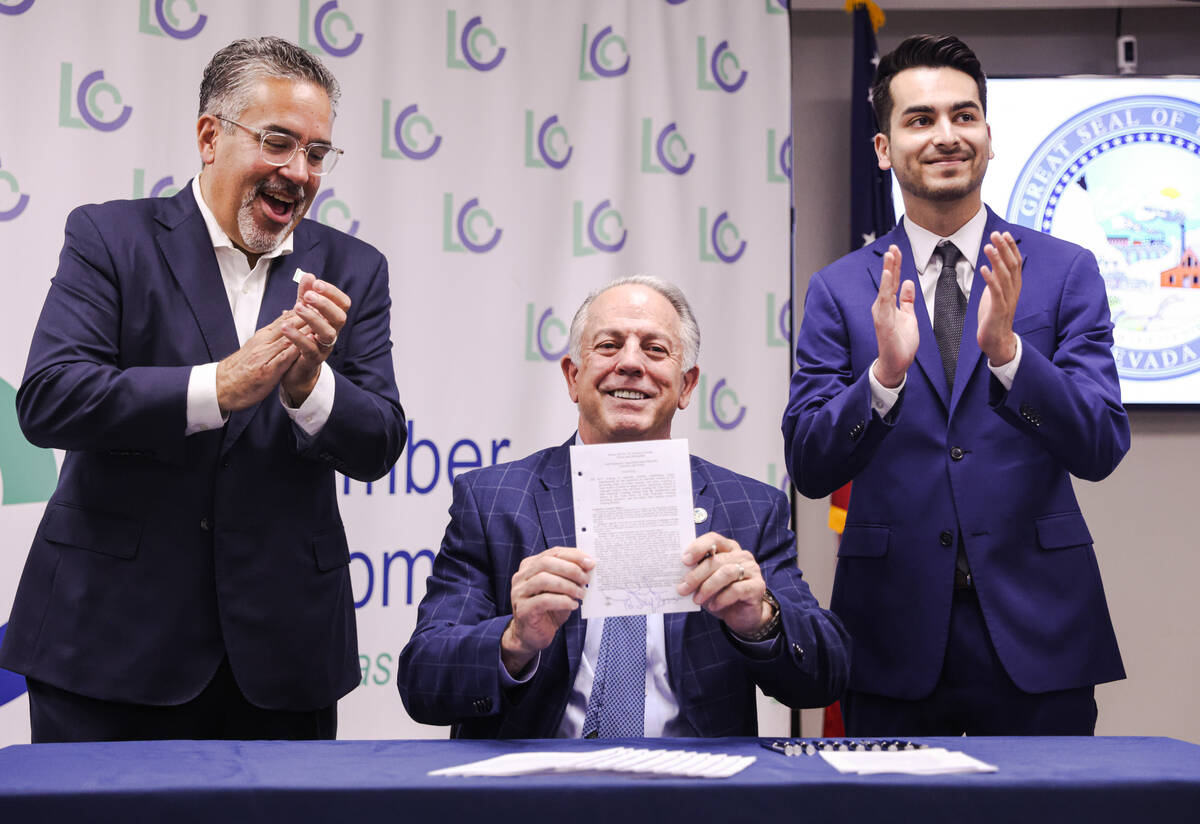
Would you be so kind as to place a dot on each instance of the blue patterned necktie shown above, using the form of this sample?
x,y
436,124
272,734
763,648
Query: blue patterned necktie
x,y
617,706
949,310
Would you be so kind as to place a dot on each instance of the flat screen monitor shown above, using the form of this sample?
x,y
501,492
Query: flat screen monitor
x,y
1113,164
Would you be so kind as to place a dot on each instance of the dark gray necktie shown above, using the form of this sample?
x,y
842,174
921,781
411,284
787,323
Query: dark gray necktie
x,y
949,309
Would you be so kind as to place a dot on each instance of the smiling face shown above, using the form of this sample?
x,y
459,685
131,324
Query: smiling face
x,y
938,144
630,377
255,203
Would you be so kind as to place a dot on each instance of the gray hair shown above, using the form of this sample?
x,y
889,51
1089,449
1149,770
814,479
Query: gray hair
x,y
231,75
689,329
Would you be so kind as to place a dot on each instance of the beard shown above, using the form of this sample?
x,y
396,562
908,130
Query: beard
x,y
260,241
936,190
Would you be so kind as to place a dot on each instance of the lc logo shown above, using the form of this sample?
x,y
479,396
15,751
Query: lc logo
x,y
779,324
727,243
551,141
412,131
333,30
602,226
719,410
22,199
168,21
773,478
670,149
723,67
465,226
595,58
546,336
777,6
87,101
11,8
467,45
163,187
324,205
779,163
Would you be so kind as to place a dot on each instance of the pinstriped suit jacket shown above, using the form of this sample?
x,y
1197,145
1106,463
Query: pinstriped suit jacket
x,y
449,672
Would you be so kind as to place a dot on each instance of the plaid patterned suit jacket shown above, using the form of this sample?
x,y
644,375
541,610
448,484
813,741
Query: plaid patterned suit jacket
x,y
449,672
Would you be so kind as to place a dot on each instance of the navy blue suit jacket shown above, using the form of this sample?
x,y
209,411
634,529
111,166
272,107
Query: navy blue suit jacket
x,y
158,553
449,672
990,465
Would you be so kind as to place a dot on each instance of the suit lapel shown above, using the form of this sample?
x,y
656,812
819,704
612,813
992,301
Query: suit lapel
x,y
929,358
675,622
187,248
278,295
556,514
970,358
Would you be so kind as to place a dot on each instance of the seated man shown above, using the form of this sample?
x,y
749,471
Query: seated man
x,y
500,650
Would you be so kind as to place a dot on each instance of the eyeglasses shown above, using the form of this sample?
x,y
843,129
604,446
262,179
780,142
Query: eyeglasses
x,y
278,149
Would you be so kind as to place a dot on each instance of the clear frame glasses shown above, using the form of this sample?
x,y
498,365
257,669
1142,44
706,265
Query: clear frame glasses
x,y
278,149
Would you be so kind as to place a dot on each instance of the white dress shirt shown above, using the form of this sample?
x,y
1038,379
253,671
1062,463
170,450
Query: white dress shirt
x,y
244,287
928,262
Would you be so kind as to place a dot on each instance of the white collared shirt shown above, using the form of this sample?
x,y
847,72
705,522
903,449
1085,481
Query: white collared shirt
x,y
928,261
244,288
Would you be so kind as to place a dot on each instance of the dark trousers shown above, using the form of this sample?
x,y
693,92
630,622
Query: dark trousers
x,y
973,696
220,711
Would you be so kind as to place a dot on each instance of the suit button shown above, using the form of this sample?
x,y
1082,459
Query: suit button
x,y
946,538
1031,414
205,525
857,430
956,453
798,651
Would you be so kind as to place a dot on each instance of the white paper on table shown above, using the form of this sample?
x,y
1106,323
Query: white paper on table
x,y
627,760
926,761
633,514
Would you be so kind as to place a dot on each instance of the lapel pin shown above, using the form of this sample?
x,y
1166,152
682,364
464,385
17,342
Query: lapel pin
x,y
699,515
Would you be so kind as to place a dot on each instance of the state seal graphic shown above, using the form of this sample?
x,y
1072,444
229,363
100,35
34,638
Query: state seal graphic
x,y
1123,178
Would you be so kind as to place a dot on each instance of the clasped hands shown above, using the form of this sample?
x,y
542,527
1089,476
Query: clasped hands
x,y
288,352
896,322
722,578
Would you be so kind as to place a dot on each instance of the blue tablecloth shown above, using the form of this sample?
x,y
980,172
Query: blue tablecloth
x,y
1040,779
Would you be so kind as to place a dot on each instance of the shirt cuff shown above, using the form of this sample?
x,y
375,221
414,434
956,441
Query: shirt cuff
x,y
1008,372
508,680
761,650
882,398
203,411
314,412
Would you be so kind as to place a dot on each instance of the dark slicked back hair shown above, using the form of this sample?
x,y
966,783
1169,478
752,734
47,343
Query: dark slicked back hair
x,y
929,51
234,71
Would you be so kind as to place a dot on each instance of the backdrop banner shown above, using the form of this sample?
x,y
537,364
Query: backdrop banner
x,y
507,157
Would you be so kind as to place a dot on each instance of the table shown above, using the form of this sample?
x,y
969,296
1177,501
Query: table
x,y
1040,779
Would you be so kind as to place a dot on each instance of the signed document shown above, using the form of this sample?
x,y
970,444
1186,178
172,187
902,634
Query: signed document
x,y
633,514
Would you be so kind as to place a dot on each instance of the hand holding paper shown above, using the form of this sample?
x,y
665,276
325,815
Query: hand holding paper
x,y
546,589
322,307
726,582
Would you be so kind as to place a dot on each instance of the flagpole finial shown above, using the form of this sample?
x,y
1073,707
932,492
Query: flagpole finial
x,y
873,11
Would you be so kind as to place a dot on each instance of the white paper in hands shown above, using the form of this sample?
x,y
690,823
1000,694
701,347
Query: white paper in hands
x,y
633,515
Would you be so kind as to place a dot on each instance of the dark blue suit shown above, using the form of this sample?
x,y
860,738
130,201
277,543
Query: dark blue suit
x,y
989,465
160,554
449,672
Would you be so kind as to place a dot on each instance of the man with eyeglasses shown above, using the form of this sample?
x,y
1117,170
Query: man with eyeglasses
x,y
207,361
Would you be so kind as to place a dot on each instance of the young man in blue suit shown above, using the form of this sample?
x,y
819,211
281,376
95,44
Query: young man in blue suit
x,y
189,578
959,387
500,650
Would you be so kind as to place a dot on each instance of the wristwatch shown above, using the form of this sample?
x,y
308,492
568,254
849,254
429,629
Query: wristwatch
x,y
771,628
